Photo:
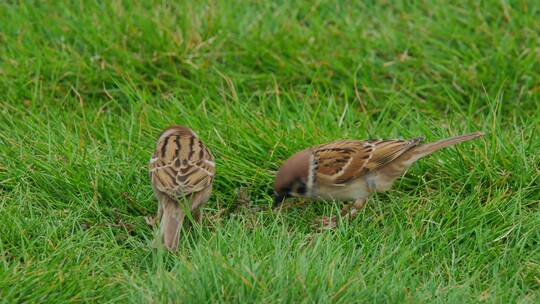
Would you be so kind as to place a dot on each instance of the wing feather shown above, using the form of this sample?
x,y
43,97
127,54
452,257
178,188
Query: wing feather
x,y
342,161
181,164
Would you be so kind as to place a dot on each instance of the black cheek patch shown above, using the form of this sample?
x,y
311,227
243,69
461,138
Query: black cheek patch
x,y
300,187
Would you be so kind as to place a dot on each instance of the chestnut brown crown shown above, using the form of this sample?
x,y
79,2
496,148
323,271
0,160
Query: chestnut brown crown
x,y
292,177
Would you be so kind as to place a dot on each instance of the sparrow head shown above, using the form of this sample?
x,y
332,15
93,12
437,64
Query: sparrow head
x,y
291,179
178,130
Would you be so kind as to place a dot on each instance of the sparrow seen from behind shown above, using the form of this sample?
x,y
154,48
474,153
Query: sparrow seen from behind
x,y
351,170
182,170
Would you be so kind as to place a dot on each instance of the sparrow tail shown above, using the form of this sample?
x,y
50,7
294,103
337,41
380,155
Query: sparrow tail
x,y
427,149
171,223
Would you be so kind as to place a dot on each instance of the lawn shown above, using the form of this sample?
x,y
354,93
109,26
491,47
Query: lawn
x,y
87,86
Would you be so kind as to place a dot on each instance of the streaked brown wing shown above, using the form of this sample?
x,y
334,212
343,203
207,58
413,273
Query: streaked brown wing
x,y
181,165
335,160
385,151
342,161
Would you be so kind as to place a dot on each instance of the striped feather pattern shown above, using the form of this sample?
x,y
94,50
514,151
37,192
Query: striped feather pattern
x,y
343,161
181,164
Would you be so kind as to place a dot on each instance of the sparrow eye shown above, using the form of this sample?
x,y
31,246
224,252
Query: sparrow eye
x,y
301,189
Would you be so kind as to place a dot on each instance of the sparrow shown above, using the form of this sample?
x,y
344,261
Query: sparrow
x,y
182,171
351,170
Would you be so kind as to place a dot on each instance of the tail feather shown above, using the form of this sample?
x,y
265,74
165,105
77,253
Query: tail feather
x,y
171,223
427,149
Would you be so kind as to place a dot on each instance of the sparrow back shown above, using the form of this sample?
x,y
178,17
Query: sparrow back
x,y
182,171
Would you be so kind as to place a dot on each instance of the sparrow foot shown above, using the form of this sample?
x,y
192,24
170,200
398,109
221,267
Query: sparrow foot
x,y
325,222
348,212
151,220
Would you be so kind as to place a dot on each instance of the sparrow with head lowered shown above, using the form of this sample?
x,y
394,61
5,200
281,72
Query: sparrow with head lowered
x,y
351,170
182,170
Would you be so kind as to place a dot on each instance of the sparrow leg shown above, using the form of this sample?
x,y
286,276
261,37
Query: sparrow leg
x,y
197,215
153,220
357,206
197,219
350,211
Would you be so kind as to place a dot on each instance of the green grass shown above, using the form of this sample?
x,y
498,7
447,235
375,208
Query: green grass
x,y
85,89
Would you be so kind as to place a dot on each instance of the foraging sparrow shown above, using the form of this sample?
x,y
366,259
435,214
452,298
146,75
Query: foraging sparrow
x,y
182,170
351,170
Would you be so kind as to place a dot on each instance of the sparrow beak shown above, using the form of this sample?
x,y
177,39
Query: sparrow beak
x,y
278,199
